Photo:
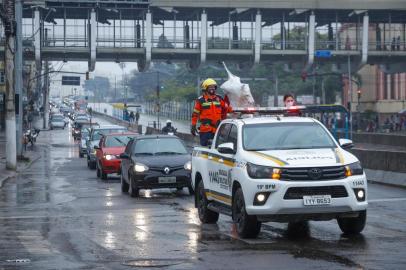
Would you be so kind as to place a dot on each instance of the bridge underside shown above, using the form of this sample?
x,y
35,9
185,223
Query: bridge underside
x,y
162,30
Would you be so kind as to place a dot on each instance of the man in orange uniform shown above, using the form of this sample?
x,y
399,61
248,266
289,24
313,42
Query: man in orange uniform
x,y
209,110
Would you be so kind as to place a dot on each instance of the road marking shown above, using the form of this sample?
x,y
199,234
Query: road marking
x,y
34,242
387,200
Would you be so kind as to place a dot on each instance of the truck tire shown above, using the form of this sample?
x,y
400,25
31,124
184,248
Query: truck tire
x,y
190,189
247,226
353,225
205,215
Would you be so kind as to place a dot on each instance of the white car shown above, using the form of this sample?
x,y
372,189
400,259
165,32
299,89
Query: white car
x,y
282,169
57,123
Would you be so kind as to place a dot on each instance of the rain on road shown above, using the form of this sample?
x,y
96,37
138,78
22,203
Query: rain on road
x,y
58,215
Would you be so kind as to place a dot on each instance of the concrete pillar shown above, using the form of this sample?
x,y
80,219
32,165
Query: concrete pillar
x,y
19,75
186,34
92,40
148,39
258,37
365,32
203,38
312,29
37,37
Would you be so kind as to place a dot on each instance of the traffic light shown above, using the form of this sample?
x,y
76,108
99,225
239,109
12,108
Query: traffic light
x,y
359,92
87,76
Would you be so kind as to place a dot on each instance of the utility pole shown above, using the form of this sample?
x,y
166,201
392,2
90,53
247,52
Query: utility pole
x,y
314,89
19,75
323,92
158,89
45,91
350,93
115,88
8,18
276,94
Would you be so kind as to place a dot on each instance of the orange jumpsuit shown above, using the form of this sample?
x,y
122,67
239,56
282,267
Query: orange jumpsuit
x,y
209,110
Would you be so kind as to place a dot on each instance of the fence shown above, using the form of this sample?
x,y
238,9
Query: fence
x,y
172,109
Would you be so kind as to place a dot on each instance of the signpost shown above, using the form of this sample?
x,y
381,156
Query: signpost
x,y
323,54
70,80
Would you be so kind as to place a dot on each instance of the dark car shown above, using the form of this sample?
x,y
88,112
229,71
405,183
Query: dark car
x,y
155,161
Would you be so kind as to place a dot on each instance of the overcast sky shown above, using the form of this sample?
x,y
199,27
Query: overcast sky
x,y
106,69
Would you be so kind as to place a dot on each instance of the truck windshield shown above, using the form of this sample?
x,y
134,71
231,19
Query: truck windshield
x,y
282,136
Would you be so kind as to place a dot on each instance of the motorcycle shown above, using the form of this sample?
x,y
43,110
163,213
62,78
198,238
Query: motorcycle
x,y
30,136
171,131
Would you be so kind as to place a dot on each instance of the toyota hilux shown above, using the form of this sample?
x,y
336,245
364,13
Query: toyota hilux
x,y
280,169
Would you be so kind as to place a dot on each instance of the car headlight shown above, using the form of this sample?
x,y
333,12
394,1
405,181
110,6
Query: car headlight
x,y
188,166
258,171
139,167
353,169
109,157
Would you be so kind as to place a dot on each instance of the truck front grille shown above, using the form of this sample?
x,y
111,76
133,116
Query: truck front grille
x,y
307,174
295,193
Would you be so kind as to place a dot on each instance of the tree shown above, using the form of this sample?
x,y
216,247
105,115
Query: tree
x,y
100,86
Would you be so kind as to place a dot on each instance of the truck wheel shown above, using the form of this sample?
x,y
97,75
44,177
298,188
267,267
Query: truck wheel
x,y
134,192
124,184
191,191
247,226
205,215
353,225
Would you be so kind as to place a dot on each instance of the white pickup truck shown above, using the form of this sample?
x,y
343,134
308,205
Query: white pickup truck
x,y
281,169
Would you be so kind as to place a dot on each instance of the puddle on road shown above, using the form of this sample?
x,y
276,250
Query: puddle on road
x,y
158,263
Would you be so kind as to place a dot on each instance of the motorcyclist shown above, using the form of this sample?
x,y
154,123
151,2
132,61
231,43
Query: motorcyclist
x,y
168,128
209,110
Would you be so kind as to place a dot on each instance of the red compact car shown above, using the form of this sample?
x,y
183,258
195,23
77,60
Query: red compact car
x,y
108,153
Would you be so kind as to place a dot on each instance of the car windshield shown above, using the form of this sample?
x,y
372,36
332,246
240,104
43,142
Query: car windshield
x,y
118,141
159,146
57,119
97,134
282,136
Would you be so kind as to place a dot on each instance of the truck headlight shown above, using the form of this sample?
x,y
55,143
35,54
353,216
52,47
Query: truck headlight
x,y
259,171
353,169
188,166
139,167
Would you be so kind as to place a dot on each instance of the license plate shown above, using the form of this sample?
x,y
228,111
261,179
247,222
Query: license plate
x,y
317,200
167,180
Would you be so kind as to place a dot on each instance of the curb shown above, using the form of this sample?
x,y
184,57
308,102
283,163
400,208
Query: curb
x,y
3,180
14,174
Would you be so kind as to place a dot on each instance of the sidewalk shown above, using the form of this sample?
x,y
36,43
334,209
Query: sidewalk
x,y
30,156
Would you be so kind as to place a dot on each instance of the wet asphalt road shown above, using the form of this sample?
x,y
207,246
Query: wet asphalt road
x,y
59,215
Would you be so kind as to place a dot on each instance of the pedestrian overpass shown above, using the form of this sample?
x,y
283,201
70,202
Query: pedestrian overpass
x,y
246,32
